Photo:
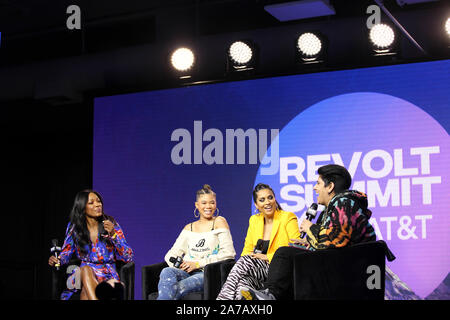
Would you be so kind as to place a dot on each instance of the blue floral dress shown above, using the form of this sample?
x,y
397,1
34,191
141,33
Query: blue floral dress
x,y
101,256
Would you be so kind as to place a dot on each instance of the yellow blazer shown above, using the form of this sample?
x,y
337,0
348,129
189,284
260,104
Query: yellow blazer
x,y
285,227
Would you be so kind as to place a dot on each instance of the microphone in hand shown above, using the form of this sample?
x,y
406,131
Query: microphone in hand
x,y
310,214
258,246
104,233
55,250
177,261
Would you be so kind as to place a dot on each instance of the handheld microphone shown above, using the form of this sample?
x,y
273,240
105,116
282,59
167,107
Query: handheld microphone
x,y
55,249
310,214
258,246
177,261
104,233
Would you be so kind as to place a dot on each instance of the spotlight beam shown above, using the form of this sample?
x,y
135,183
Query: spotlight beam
x,y
403,30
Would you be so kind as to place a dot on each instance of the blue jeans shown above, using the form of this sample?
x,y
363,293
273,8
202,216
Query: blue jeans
x,y
175,283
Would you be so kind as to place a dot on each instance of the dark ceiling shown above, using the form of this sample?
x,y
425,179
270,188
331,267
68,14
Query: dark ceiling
x,y
34,36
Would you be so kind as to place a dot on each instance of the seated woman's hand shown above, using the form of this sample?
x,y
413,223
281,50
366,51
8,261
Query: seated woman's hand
x,y
109,227
301,242
188,266
259,256
52,261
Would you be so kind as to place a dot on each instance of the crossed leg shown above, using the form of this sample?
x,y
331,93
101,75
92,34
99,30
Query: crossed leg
x,y
88,283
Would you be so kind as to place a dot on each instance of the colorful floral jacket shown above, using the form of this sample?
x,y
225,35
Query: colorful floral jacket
x,y
344,222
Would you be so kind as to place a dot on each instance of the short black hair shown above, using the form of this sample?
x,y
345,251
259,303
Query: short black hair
x,y
338,175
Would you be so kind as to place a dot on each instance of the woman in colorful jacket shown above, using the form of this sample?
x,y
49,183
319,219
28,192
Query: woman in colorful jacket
x,y
97,240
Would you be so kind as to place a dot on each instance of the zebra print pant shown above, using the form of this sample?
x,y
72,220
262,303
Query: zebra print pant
x,y
247,272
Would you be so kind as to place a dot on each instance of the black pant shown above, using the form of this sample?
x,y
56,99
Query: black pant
x,y
280,278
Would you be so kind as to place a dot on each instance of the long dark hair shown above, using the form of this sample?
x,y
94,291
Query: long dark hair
x,y
262,186
78,220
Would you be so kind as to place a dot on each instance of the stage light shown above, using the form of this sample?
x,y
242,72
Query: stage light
x,y
240,52
182,59
447,26
309,46
241,56
382,37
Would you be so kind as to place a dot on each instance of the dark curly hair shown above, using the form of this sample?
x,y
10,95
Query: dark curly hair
x,y
206,189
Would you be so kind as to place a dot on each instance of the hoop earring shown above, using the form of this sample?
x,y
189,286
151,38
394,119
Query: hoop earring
x,y
196,215
218,212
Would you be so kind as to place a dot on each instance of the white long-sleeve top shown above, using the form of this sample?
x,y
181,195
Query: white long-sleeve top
x,y
203,247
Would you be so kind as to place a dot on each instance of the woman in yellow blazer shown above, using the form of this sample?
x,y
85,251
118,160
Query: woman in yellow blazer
x,y
268,230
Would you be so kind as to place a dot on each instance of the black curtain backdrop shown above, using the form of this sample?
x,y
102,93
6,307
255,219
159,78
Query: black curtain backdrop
x,y
47,155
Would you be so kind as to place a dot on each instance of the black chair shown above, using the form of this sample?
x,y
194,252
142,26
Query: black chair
x,y
125,271
342,273
215,275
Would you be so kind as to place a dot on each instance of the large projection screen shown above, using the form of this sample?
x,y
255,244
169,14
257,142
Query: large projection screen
x,y
388,125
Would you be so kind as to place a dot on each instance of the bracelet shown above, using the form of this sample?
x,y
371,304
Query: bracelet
x,y
197,265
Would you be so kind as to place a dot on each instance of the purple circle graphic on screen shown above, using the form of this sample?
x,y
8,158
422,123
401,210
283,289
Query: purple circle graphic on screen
x,y
396,153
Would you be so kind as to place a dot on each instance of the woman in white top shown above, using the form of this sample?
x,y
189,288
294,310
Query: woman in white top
x,y
203,241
